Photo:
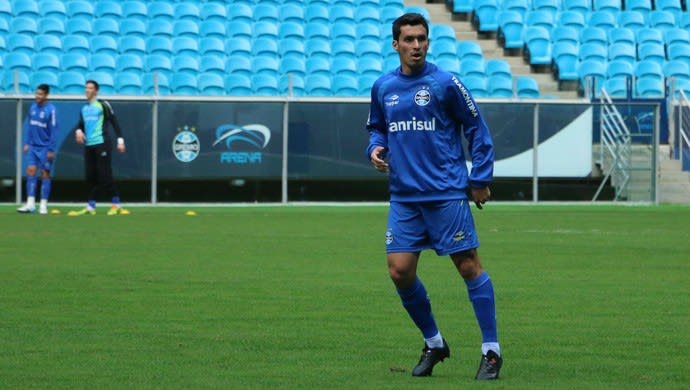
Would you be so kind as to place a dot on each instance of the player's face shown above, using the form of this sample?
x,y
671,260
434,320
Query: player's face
x,y
91,91
41,96
412,46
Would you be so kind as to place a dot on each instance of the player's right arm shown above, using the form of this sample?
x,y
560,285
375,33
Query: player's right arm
x,y
79,130
378,136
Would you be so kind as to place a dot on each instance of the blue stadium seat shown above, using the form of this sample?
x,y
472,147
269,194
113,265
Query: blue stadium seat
x,y
316,13
644,7
592,69
5,11
616,87
159,45
212,29
185,64
239,47
266,13
621,35
343,48
241,30
4,27
498,68
53,9
131,45
676,69
371,49
3,48
448,64
472,67
675,35
48,44
477,86
187,11
45,62
19,43
213,12
80,10
128,83
71,82
485,15
539,18
594,35
317,48
370,66
389,14
593,51
51,26
678,51
345,85
105,45
291,30
266,65
106,84
159,28
129,63
684,20
519,6
161,11
565,60
662,20
102,63
292,13
441,49
565,34
210,84
238,85
212,46
212,64
265,47
649,88
510,29
159,63
135,10
18,61
291,47
265,29
584,7
619,69
469,50
265,85
551,6
622,51
186,28
25,8
420,10
649,69
150,82
45,77
22,81
76,44
186,46
291,85
240,13
313,31
240,65
538,45
364,84
672,6
441,33
106,27
344,66
74,63
527,87
317,85
400,4
24,25
107,9
133,27
184,84
571,19
341,13
317,65
602,19
344,30
367,14
292,65
368,3
612,6
651,52
631,19
680,85
648,35
78,27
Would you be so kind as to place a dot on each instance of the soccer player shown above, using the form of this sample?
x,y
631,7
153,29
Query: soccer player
x,y
417,115
39,148
91,131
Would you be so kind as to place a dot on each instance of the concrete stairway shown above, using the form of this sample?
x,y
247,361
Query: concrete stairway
x,y
464,31
674,183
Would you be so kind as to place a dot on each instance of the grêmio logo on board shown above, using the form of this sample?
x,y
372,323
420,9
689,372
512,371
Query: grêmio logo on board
x,y
244,143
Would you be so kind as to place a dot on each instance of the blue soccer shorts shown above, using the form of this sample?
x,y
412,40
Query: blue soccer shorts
x,y
446,226
38,156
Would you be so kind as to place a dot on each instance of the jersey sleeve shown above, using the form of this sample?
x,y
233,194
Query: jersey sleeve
x,y
476,132
376,123
109,116
52,129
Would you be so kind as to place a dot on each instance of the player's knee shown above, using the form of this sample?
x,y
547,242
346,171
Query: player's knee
x,y
31,171
468,264
401,276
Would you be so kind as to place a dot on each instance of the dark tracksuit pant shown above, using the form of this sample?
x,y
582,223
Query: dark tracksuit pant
x,y
99,172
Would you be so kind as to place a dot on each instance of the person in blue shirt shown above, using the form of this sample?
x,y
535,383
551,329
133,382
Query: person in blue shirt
x,y
418,116
39,149
92,132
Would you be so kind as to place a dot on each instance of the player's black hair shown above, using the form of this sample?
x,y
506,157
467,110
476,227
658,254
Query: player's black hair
x,y
409,19
44,87
95,84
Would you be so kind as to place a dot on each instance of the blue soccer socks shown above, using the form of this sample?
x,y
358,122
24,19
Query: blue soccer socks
x,y
45,188
481,294
31,186
418,306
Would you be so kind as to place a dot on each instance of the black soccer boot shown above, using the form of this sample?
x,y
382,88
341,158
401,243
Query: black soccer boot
x,y
429,358
489,367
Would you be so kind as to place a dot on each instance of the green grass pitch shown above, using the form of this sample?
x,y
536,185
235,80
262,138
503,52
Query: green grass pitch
x,y
588,297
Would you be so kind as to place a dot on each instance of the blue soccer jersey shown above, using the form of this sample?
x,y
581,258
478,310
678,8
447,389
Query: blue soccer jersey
x,y
42,127
419,120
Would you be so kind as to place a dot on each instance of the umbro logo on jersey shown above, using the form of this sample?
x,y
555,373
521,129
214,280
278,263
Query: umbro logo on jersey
x,y
459,236
392,100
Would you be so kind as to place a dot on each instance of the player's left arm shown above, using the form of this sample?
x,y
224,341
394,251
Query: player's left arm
x,y
52,133
109,114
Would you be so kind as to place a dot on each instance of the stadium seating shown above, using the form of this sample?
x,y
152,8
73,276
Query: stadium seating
x,y
102,63
527,87
134,10
128,83
155,83
318,85
48,44
211,84
71,82
500,87
106,84
53,9
565,60
345,85
74,63
184,84
538,45
485,15
291,85
510,29
238,85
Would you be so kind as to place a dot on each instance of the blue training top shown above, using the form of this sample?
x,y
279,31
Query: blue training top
x,y
42,129
418,120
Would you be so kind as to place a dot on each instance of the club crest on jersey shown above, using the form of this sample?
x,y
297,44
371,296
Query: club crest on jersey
x,y
422,97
